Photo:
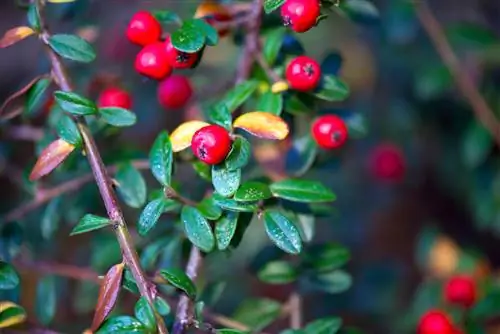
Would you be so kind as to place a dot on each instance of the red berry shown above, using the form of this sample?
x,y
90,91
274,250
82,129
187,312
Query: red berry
x,y
435,322
179,59
211,144
143,29
300,15
329,131
460,290
174,92
152,61
303,73
387,162
114,97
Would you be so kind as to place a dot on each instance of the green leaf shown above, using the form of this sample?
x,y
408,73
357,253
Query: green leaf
x,y
212,292
89,223
188,37
357,125
329,325
487,307
278,272
477,145
68,131
117,116
161,159
433,80
282,232
307,225
230,331
74,103
209,209
151,213
128,282
332,89
211,34
301,156
8,276
122,324
35,94
232,205
225,181
33,17
46,300
272,5
299,104
197,229
180,280
144,313
72,47
219,114
203,170
225,229
11,314
326,257
240,153
257,313
51,218
302,191
198,311
131,185
272,45
333,282
162,306
239,95
363,8
11,240
271,103
470,36
165,16
253,191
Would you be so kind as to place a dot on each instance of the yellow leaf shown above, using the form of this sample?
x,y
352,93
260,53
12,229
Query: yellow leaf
x,y
181,137
50,158
279,87
61,1
210,8
263,125
14,35
11,314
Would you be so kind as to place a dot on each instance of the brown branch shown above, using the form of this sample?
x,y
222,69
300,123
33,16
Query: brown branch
x,y
465,84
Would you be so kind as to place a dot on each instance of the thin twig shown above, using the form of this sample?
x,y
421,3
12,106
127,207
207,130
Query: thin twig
x,y
23,132
465,84
271,74
295,311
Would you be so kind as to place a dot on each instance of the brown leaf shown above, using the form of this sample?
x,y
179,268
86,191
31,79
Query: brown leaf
x,y
17,97
14,35
51,157
108,293
263,125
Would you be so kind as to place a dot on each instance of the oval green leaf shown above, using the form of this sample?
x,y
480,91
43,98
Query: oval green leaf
x,y
225,181
117,116
35,94
188,37
282,232
89,223
329,325
131,185
74,103
150,215
232,205
180,280
46,300
302,191
271,103
122,324
240,153
332,89
68,131
209,209
239,95
144,313
197,229
72,47
253,191
225,229
9,279
161,159
278,272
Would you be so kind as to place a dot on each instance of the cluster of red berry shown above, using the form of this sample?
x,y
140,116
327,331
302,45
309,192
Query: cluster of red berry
x,y
459,291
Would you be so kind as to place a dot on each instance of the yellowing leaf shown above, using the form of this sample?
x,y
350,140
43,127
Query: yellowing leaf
x,y
11,314
210,8
181,137
51,157
279,87
60,1
263,125
14,35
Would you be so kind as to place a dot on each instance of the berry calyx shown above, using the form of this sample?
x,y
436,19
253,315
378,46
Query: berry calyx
x,y
114,97
303,73
174,92
387,162
152,62
460,290
211,144
143,29
300,15
179,59
329,131
435,322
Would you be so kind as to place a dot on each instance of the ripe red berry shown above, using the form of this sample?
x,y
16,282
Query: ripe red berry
x,y
143,29
387,162
460,290
329,131
174,92
179,59
211,144
435,322
114,97
152,61
300,15
303,73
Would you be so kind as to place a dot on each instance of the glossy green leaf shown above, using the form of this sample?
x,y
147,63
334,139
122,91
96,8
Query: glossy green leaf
x,y
253,191
219,114
282,232
240,153
33,17
144,313
324,326
180,280
122,324
68,131
225,181
278,272
89,223
11,314
299,104
128,282
272,5
239,95
232,205
9,279
307,226
326,257
332,89
477,145
301,156
271,103
166,16
51,218
211,34
46,300
225,229
162,306
272,44
72,47
333,282
197,229
257,313
188,37
117,116
151,213
74,103
161,159
209,209
302,191
203,170
131,185
35,94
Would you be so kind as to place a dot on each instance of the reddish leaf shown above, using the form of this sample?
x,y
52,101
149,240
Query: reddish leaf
x,y
108,293
51,157
14,35
17,97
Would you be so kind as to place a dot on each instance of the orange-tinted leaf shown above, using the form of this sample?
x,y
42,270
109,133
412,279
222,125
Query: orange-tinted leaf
x,y
15,102
263,125
14,35
51,157
210,8
108,293
181,137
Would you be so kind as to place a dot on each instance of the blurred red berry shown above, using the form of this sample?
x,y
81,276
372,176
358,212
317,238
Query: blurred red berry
x,y
211,144
300,15
329,131
152,61
387,162
303,73
460,290
114,97
435,322
143,29
179,59
174,92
